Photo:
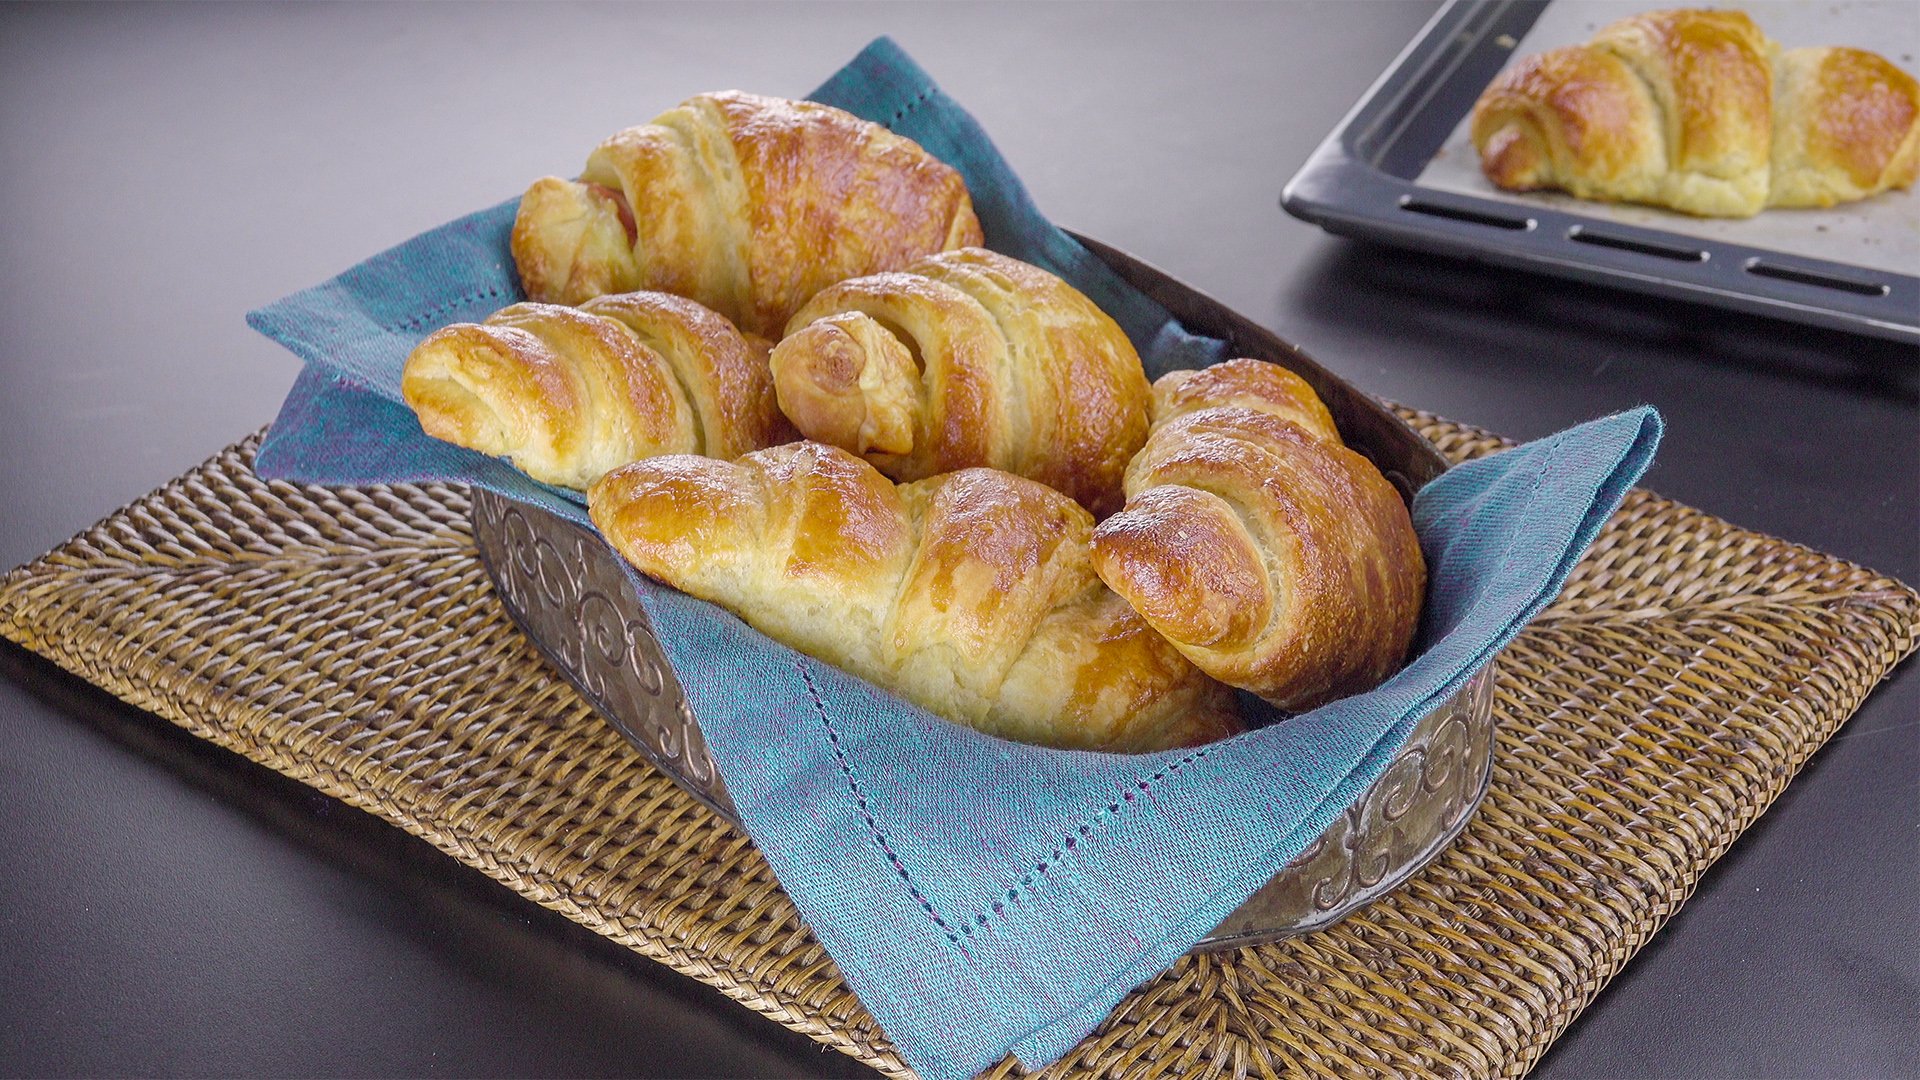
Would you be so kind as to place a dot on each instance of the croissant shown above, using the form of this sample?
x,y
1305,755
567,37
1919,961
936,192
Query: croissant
x,y
570,393
968,358
745,203
1844,127
1701,112
968,593
1276,559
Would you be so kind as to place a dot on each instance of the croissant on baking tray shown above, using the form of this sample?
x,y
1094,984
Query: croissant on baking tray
x,y
569,393
968,358
1846,126
1277,559
968,593
748,204
1701,112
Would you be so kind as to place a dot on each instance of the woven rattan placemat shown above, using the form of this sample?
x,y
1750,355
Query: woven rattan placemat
x,y
351,639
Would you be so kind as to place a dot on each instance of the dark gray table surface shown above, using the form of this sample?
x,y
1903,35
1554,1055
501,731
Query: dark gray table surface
x,y
171,909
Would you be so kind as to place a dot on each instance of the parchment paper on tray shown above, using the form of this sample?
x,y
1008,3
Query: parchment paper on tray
x,y
1881,233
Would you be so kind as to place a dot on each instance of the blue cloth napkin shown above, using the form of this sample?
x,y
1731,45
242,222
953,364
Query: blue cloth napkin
x,y
979,896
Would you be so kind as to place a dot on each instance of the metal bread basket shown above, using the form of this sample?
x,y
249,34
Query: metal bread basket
x,y
569,591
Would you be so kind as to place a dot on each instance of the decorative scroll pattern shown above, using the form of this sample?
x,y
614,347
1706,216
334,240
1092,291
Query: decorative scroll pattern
x,y
1424,794
1409,815
1683,678
567,589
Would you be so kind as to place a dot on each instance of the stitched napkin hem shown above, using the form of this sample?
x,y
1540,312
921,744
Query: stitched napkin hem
x,y
979,896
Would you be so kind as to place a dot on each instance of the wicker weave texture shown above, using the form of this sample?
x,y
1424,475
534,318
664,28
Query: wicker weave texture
x,y
350,639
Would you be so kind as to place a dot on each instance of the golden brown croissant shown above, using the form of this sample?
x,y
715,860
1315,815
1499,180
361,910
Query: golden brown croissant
x,y
1844,127
570,393
1701,112
745,203
968,358
968,594
1275,558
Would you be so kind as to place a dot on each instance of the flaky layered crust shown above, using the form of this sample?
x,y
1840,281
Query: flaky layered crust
x,y
1573,118
968,358
969,593
722,372
748,204
1844,128
1267,388
568,393
1699,111
1711,77
1275,558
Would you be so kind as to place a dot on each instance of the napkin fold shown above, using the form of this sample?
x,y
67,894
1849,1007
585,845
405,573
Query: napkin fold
x,y
979,896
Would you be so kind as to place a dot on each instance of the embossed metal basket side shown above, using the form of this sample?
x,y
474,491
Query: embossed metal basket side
x,y
568,590
572,595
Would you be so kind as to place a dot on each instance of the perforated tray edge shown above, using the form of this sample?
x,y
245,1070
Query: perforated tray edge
x,y
1359,183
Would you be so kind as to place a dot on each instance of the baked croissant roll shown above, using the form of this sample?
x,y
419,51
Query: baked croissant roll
x,y
745,203
1701,112
570,393
968,594
968,358
1278,560
1846,126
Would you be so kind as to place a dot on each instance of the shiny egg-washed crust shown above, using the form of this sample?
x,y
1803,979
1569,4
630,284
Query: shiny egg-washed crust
x,y
968,594
748,204
1574,118
968,358
570,393
1275,558
1701,112
1844,127
1266,387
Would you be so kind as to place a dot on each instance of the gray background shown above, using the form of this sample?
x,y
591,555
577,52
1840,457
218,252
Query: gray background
x,y
170,909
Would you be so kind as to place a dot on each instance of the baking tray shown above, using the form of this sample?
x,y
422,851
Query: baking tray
x,y
571,594
1373,177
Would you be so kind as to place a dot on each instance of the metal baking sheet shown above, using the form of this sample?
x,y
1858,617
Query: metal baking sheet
x,y
1881,233
1400,168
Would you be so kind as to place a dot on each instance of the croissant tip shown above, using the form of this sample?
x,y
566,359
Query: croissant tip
x,y
1182,558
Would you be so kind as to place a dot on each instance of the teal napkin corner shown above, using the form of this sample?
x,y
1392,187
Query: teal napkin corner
x,y
979,896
